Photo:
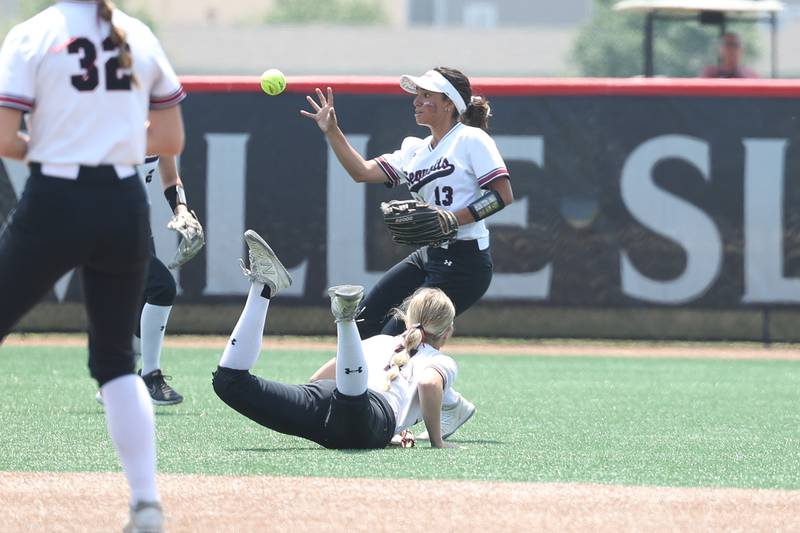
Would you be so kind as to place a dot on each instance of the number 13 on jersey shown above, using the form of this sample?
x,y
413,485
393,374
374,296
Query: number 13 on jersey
x,y
443,195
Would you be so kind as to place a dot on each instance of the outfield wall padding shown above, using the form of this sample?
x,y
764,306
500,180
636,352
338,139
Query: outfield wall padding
x,y
654,195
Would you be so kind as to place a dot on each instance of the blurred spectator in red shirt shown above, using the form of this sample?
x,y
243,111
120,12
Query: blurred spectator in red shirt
x,y
730,57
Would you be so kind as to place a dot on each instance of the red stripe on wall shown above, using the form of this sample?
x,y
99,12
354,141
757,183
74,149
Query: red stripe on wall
x,y
518,86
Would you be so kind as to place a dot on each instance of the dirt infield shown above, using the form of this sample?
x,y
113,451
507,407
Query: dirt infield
x,y
95,502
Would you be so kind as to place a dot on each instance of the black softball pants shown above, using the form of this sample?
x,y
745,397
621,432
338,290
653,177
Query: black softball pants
x,y
314,411
160,288
99,223
462,271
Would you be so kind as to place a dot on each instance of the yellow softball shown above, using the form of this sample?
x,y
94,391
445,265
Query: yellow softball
x,y
273,81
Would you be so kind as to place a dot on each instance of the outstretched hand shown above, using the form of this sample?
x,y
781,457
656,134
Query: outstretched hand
x,y
324,114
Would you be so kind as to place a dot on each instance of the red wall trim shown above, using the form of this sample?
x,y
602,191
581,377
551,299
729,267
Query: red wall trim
x,y
518,86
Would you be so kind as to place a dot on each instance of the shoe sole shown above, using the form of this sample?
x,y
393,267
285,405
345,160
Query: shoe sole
x,y
165,402
348,292
99,399
352,295
281,270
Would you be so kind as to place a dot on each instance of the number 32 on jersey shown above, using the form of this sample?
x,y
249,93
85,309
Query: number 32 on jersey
x,y
90,78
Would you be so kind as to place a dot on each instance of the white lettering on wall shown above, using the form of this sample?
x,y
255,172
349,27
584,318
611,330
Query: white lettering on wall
x,y
226,162
226,183
672,217
763,223
525,285
346,237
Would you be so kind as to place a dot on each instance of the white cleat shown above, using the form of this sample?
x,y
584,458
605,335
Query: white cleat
x,y
345,300
453,417
145,517
99,397
265,267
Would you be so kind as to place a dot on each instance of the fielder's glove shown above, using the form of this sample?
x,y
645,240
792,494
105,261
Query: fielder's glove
x,y
404,439
192,238
417,223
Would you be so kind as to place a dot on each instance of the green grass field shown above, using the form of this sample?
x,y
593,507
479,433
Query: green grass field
x,y
670,422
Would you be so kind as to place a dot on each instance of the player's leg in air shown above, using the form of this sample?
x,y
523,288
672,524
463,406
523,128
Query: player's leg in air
x,y
284,408
333,413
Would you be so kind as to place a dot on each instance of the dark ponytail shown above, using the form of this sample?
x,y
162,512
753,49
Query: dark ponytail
x,y
478,111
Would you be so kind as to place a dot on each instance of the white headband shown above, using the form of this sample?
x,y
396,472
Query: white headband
x,y
435,82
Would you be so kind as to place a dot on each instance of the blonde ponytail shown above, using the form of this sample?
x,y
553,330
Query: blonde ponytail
x,y
428,315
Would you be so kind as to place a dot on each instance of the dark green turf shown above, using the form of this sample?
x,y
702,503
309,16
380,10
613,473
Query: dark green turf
x,y
674,422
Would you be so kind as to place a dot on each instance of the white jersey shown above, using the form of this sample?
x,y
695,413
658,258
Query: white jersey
x,y
403,394
62,67
451,175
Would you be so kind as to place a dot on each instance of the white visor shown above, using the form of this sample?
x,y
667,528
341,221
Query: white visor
x,y
433,81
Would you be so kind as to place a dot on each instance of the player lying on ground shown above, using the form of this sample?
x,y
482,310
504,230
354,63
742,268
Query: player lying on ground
x,y
372,398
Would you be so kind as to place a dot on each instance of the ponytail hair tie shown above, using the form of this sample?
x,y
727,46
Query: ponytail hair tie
x,y
478,100
419,327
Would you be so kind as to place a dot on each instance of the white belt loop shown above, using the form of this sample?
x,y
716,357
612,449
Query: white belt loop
x,y
69,172
483,243
124,171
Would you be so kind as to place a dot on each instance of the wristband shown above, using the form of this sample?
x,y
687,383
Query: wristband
x,y
175,195
487,205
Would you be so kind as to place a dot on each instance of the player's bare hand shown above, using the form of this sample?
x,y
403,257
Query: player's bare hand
x,y
323,112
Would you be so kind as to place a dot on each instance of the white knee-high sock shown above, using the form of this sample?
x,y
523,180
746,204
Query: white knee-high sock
x,y
129,416
244,345
153,325
351,366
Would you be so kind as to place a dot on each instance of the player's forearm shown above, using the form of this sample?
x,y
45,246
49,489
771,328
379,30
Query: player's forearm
x,y
430,396
17,148
168,169
355,165
165,134
487,205
13,143
172,184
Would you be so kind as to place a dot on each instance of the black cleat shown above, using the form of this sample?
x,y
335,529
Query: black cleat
x,y
160,392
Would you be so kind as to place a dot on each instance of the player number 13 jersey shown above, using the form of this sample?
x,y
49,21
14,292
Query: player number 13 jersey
x,y
450,175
